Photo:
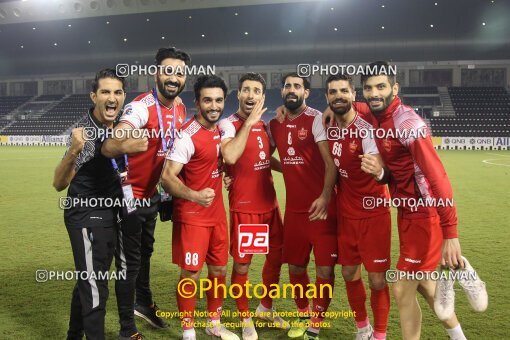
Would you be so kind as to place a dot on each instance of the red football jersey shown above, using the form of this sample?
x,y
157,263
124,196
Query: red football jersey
x,y
302,165
199,150
416,170
145,167
355,187
252,189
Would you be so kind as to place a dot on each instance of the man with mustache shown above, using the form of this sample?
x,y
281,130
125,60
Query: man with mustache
x,y
157,112
247,151
364,236
427,235
92,230
310,218
192,175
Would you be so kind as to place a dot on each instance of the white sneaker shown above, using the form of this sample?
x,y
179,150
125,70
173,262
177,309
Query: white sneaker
x,y
249,332
365,333
189,334
444,297
220,331
474,288
270,315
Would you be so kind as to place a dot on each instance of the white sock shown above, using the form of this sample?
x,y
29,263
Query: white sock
x,y
263,309
248,323
456,333
364,329
189,332
214,323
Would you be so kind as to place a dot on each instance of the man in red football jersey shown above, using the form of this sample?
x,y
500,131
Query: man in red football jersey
x,y
157,113
428,234
246,150
193,175
364,235
310,218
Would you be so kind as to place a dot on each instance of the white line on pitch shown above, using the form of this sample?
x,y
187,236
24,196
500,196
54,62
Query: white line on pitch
x,y
497,154
486,161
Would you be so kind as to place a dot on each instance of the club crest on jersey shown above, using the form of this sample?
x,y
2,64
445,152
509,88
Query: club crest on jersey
x,y
262,155
302,133
291,151
386,145
353,146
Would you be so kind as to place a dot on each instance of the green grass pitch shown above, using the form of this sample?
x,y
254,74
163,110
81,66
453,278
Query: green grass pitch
x,y
34,237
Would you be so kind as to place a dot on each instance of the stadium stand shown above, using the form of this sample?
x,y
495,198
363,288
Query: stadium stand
x,y
479,111
7,104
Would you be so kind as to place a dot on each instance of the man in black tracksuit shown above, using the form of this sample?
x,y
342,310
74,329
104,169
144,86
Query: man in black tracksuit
x,y
92,230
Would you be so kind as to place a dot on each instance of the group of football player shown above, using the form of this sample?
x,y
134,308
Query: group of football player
x,y
327,184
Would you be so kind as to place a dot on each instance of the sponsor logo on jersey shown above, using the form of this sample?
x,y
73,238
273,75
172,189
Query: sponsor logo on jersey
x,y
291,151
302,134
380,260
337,162
262,155
407,259
353,146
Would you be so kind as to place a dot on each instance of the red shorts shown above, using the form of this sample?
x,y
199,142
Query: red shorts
x,y
300,236
420,243
193,245
366,241
272,218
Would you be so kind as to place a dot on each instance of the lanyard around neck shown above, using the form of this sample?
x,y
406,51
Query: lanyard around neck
x,y
161,126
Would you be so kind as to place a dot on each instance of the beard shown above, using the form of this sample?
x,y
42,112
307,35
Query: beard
x,y
167,94
341,110
386,102
291,105
211,121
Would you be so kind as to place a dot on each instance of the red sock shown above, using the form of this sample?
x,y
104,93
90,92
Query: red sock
x,y
270,275
242,301
380,303
357,296
186,306
215,297
300,294
321,304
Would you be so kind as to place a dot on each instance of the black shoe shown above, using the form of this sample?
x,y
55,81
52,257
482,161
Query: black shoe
x,y
149,315
136,336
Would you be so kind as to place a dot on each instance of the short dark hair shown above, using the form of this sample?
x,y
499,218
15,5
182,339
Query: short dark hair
x,y
173,53
255,77
378,65
107,73
209,81
306,82
336,77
